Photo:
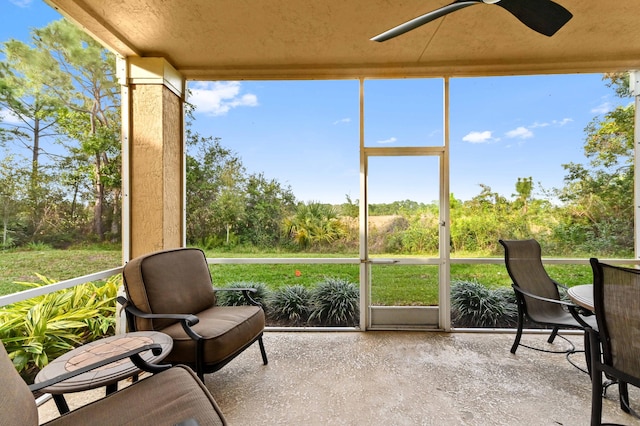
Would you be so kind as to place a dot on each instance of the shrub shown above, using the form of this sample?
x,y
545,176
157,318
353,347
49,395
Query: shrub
x,y
291,303
335,303
474,305
236,298
103,299
42,328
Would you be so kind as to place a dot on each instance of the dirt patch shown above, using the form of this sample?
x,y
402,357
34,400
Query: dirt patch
x,y
379,223
382,222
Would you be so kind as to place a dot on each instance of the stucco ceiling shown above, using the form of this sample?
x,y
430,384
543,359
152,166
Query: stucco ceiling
x,y
301,39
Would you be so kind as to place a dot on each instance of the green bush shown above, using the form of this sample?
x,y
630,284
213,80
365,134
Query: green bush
x,y
42,328
474,305
291,303
236,298
335,303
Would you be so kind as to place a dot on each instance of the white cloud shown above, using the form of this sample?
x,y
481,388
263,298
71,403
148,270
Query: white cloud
x,y
22,3
218,98
558,123
478,137
563,121
386,141
537,124
9,117
603,108
342,120
520,133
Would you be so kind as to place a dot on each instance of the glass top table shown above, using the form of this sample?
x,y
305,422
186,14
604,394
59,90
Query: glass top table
x,y
97,351
582,295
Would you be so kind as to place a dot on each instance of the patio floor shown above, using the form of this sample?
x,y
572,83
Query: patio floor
x,y
402,378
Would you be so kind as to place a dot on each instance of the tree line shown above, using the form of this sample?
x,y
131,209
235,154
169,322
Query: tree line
x,y
60,103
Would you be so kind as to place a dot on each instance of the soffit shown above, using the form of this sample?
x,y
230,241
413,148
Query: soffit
x,y
284,39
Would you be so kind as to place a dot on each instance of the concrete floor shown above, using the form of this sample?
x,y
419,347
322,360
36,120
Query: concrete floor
x,y
402,378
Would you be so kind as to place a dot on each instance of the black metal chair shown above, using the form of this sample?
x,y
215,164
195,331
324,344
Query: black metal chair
x,y
614,345
171,291
538,296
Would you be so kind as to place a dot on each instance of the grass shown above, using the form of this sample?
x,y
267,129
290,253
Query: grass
x,y
16,266
391,284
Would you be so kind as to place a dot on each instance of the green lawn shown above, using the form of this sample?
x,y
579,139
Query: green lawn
x,y
22,266
391,284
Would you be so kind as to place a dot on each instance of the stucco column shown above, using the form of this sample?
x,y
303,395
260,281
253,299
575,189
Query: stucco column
x,y
153,94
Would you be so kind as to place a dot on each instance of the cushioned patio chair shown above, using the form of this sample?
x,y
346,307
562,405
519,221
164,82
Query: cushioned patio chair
x,y
538,296
614,345
171,397
171,291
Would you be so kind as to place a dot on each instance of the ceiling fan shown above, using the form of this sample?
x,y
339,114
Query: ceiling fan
x,y
543,16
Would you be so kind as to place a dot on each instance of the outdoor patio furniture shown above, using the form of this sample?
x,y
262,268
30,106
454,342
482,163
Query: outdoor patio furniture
x,y
108,376
171,291
614,345
537,295
172,396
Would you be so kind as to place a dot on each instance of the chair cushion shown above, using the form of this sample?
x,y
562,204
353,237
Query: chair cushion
x,y
182,273
17,406
166,398
225,328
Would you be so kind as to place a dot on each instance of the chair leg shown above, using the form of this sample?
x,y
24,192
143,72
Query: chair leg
x,y
61,403
553,335
516,342
587,352
596,398
623,390
200,359
265,361
596,379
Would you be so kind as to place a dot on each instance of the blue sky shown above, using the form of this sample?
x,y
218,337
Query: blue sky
x,y
306,134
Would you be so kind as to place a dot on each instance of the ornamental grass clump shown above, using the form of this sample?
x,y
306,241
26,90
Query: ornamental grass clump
x,y
291,303
335,303
236,297
474,305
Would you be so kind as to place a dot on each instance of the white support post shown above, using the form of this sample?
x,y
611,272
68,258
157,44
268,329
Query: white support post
x,y
445,222
634,86
125,112
365,267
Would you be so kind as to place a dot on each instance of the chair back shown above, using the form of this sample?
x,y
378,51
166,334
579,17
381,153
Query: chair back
x,y
18,407
175,281
523,259
616,296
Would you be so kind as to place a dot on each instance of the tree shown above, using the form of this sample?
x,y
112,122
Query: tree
x,y
350,208
11,192
65,81
267,205
229,204
24,94
524,189
214,187
24,76
314,223
86,86
599,194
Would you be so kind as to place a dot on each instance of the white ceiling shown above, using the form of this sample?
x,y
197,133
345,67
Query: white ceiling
x,y
302,39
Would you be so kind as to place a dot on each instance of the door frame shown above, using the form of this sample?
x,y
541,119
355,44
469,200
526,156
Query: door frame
x,y
370,315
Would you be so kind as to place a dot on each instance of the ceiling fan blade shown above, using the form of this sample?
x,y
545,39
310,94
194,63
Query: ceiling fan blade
x,y
427,17
543,16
